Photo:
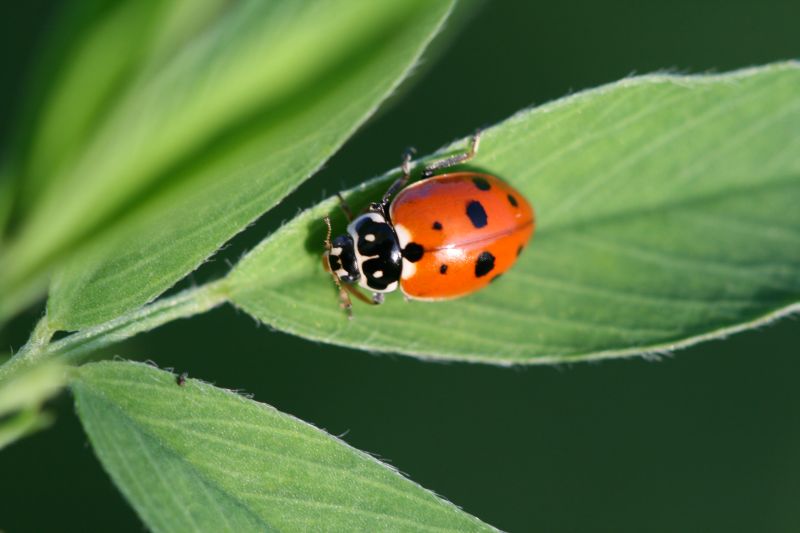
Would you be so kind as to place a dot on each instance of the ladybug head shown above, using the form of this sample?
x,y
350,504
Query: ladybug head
x,y
341,259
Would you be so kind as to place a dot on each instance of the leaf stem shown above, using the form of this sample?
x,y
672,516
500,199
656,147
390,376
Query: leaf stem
x,y
182,305
40,338
31,351
74,348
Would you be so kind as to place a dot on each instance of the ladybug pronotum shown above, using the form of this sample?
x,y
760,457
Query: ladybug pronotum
x,y
445,236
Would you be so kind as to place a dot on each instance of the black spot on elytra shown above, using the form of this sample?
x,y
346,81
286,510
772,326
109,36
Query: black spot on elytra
x,y
481,183
437,225
476,213
443,269
413,252
519,250
484,264
512,200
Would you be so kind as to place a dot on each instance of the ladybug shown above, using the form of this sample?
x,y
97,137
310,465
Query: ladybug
x,y
445,236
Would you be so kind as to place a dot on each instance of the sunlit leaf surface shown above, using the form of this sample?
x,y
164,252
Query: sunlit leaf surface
x,y
203,140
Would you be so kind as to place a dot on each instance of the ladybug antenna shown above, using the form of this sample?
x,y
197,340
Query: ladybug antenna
x,y
344,298
328,235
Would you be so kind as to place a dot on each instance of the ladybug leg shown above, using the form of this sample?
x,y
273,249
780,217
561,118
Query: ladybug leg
x,y
345,207
400,182
376,299
431,168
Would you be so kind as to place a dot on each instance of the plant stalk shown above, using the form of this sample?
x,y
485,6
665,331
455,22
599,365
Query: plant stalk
x,y
74,348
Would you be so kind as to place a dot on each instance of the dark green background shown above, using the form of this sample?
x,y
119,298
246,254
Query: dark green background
x,y
705,440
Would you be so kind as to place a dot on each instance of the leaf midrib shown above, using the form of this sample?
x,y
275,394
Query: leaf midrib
x,y
670,207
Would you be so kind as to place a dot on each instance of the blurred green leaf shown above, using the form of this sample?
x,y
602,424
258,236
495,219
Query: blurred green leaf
x,y
107,44
667,214
22,424
21,399
6,203
195,457
91,54
204,140
31,388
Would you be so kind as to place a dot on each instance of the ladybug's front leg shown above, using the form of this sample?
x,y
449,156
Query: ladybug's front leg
x,y
377,298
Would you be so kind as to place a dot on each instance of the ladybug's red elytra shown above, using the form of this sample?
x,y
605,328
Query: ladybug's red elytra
x,y
445,236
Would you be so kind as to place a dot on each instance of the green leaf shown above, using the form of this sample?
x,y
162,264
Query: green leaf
x,y
21,399
205,140
22,424
98,48
89,59
667,213
196,457
31,387
6,188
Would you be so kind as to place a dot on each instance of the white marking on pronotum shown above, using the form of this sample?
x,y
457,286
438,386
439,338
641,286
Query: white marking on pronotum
x,y
409,269
403,235
378,274
403,238
369,237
